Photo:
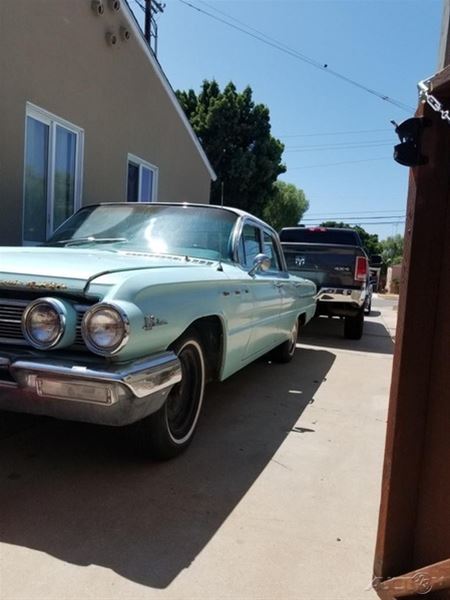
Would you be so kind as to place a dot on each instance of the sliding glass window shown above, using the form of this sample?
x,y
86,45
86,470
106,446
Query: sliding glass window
x,y
53,172
142,184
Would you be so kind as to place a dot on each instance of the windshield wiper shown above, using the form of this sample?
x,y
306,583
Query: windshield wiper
x,y
89,240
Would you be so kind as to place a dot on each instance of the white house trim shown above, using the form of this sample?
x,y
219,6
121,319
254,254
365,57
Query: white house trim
x,y
52,121
166,85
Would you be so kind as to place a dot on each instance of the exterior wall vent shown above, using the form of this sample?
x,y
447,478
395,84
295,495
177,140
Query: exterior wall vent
x,y
98,7
111,38
114,5
125,34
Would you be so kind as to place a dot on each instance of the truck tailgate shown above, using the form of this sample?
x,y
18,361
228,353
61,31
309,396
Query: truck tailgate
x,y
327,265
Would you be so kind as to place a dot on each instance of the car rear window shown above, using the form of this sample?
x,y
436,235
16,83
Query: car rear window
x,y
320,236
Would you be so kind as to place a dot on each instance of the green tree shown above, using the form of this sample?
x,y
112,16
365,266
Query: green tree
x,y
286,207
235,134
392,249
369,241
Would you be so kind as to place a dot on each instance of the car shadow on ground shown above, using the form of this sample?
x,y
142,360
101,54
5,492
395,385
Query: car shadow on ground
x,y
329,333
76,492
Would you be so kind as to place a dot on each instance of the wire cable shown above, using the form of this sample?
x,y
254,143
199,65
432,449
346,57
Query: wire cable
x,y
338,144
345,162
333,148
384,218
358,223
265,39
352,212
353,132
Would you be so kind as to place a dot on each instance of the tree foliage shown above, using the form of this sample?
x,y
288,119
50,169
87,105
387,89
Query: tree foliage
x,y
235,134
369,241
286,207
392,249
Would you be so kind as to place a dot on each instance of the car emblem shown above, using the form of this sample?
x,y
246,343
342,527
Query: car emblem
x,y
151,321
35,285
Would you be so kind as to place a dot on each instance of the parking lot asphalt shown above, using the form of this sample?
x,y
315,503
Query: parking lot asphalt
x,y
277,497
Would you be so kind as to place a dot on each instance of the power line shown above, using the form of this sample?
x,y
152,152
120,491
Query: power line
x,y
346,147
269,41
337,144
345,162
359,218
354,132
401,222
352,212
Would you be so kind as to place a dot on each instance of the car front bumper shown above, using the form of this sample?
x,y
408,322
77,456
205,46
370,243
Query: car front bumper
x,y
103,393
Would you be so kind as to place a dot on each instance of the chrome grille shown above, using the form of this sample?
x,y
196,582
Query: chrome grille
x,y
11,312
10,321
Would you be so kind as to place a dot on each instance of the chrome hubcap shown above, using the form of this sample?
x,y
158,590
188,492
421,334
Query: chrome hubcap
x,y
294,336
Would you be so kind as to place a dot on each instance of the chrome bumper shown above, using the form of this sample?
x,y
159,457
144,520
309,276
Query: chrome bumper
x,y
341,295
104,393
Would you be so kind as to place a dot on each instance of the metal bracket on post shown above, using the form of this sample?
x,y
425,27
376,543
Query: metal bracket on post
x,y
408,152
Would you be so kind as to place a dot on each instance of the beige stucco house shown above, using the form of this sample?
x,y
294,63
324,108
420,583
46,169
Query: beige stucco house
x,y
86,115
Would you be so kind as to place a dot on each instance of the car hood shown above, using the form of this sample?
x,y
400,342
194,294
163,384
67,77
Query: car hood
x,y
69,269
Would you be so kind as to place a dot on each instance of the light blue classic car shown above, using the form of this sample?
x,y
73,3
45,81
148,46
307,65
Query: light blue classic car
x,y
129,309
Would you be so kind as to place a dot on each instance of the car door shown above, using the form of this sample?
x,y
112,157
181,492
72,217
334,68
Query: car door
x,y
288,293
296,294
266,294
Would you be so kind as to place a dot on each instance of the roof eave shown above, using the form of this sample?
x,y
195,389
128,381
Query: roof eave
x,y
166,85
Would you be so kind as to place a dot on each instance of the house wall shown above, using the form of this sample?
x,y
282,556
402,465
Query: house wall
x,y
394,274
53,54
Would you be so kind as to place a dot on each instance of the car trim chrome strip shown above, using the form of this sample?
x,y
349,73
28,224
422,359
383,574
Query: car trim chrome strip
x,y
141,378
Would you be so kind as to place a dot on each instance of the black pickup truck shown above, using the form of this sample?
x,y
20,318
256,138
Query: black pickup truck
x,y
335,261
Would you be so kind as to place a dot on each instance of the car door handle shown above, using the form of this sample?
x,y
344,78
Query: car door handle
x,y
278,284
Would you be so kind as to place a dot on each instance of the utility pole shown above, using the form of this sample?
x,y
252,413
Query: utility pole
x,y
444,48
152,7
148,21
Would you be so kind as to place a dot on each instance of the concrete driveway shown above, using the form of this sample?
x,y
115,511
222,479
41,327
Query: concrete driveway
x,y
276,498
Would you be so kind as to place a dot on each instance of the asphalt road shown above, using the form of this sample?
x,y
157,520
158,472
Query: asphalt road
x,y
276,498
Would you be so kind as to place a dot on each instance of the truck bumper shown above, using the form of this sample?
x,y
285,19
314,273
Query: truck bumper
x,y
341,302
103,393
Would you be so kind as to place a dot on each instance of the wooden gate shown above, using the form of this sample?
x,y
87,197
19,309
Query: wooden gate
x,y
412,556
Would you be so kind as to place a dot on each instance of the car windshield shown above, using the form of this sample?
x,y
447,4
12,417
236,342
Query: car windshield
x,y
159,229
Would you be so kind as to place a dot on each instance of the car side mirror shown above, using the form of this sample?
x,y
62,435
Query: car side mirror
x,y
261,262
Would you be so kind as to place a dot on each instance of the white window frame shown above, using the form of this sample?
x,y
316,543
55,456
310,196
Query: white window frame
x,y
48,118
132,158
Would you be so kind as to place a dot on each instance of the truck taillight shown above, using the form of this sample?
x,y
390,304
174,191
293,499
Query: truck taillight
x,y
361,268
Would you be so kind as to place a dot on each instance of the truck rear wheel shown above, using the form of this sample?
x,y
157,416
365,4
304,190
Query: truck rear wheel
x,y
353,326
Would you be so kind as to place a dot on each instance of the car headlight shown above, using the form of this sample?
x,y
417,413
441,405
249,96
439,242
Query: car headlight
x,y
105,329
44,322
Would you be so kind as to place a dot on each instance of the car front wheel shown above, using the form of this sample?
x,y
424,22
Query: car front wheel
x,y
168,432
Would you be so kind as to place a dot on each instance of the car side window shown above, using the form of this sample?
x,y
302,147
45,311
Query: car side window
x,y
270,249
250,245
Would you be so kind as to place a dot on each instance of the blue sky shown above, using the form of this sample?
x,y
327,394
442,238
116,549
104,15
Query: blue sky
x,y
387,45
